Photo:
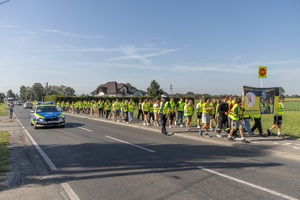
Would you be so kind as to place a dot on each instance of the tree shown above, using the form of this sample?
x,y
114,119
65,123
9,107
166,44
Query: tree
x,y
10,93
281,93
69,91
2,96
38,91
190,94
154,89
23,92
130,87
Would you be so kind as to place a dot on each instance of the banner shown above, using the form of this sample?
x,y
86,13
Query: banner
x,y
260,100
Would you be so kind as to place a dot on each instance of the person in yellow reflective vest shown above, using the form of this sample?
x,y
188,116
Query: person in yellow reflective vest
x,y
58,105
188,113
130,111
140,110
164,110
278,119
179,108
117,109
236,123
199,109
151,111
122,110
125,109
156,114
213,114
206,116
63,105
172,115
68,106
107,108
145,108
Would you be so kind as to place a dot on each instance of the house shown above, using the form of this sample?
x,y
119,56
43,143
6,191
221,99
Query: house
x,y
112,89
138,93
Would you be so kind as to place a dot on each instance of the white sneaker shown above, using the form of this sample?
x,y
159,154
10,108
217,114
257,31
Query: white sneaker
x,y
181,125
187,129
123,121
144,124
170,126
175,123
127,122
198,127
118,120
211,129
157,125
147,124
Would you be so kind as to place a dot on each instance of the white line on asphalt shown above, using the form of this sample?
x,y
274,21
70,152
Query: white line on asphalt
x,y
249,184
48,161
69,191
23,127
131,144
84,129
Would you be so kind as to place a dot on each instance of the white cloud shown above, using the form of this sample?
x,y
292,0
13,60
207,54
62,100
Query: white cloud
x,y
8,26
72,34
131,53
236,58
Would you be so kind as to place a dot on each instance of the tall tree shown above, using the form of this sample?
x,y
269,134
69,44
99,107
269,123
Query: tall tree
x,y
154,89
2,96
10,93
69,91
23,92
38,91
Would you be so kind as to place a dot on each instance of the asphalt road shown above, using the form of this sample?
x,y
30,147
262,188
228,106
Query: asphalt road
x,y
108,161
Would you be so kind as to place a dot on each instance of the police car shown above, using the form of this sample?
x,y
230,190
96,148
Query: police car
x,y
46,115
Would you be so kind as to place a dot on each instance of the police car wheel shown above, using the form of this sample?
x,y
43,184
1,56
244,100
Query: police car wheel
x,y
62,126
31,123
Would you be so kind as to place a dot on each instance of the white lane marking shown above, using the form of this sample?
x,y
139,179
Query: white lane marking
x,y
84,128
23,127
286,143
69,191
48,161
131,144
275,143
249,184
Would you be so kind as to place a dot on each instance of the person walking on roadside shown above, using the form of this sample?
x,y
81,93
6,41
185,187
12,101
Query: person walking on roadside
x,y
213,114
107,107
206,116
11,106
172,115
257,124
188,113
223,117
236,115
164,110
140,109
179,108
130,111
199,109
277,119
117,107
156,114
145,108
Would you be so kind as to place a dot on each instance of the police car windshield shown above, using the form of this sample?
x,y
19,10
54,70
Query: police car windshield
x,y
41,109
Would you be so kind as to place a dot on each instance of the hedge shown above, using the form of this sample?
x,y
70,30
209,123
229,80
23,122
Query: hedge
x,y
55,99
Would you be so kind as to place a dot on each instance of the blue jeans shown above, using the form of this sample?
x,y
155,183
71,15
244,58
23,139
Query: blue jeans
x,y
247,125
130,116
180,116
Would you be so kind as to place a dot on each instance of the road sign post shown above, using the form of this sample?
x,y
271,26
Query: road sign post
x,y
262,73
59,96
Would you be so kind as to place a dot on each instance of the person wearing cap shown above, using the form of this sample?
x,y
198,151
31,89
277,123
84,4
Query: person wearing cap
x,y
164,110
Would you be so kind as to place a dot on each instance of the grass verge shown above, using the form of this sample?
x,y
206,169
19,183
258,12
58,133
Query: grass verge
x,y
3,109
4,154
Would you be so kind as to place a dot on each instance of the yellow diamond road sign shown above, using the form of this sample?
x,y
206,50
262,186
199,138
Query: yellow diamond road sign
x,y
59,95
262,72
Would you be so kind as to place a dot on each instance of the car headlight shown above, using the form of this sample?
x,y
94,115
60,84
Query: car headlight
x,y
41,119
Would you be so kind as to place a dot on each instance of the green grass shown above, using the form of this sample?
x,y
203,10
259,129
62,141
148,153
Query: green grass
x,y
290,126
4,153
3,112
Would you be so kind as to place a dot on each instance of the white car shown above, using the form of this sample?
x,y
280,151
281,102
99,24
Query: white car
x,y
27,105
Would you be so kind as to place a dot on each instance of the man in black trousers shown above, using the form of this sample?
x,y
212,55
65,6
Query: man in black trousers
x,y
164,110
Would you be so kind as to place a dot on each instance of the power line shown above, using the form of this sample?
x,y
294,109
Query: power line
x,y
4,2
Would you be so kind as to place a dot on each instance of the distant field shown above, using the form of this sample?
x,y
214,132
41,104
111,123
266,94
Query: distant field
x,y
292,99
290,127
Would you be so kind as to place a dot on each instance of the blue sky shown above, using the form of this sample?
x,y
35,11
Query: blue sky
x,y
200,46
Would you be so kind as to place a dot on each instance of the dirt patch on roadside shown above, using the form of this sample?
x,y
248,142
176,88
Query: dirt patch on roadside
x,y
26,166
